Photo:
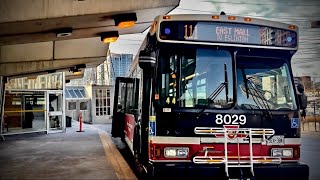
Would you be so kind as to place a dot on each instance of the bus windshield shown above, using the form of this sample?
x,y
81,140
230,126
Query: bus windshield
x,y
188,76
261,80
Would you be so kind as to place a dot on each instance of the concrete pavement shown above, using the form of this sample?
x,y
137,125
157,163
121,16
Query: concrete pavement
x,y
310,153
71,155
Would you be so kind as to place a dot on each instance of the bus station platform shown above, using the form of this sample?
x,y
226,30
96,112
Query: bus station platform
x,y
91,154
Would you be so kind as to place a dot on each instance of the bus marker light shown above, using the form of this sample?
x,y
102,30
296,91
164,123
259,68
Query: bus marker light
x,y
166,17
215,17
296,152
231,17
158,152
247,19
292,27
156,96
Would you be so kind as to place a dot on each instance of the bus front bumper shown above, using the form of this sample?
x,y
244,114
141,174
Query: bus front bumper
x,y
262,171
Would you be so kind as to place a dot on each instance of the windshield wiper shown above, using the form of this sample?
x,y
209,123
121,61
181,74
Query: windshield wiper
x,y
215,93
256,95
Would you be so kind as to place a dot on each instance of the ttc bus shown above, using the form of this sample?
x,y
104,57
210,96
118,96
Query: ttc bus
x,y
213,96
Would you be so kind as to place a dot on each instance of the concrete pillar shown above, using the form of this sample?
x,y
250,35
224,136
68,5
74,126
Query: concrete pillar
x,y
2,96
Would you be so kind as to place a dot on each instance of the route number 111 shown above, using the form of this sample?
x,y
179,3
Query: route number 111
x,y
190,32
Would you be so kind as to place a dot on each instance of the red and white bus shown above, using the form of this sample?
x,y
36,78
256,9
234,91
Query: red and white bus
x,y
213,96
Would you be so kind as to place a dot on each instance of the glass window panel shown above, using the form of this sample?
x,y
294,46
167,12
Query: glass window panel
x,y
72,105
16,119
82,91
101,102
97,93
109,111
198,72
72,94
78,93
83,105
268,83
67,94
108,102
101,111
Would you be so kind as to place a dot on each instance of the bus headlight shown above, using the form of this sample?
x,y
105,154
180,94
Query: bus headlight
x,y
282,152
176,152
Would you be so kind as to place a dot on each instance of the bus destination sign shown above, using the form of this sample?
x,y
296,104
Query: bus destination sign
x,y
219,32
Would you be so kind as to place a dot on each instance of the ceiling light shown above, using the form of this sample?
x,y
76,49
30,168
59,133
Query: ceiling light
x,y
108,37
77,73
65,32
125,20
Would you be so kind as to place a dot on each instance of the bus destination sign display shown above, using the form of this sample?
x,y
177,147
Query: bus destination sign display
x,y
218,32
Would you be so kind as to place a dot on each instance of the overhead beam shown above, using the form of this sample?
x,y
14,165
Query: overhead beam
x,y
51,56
28,68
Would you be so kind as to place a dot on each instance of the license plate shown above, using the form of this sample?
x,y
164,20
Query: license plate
x,y
276,140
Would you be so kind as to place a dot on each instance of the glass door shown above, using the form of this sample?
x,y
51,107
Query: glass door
x,y
55,111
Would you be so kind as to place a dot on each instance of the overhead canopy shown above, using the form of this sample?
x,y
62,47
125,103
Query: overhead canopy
x,y
43,36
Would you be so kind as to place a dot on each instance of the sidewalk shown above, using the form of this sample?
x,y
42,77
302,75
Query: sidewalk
x,y
310,127
71,155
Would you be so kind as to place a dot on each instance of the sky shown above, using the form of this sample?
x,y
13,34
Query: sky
x,y
298,12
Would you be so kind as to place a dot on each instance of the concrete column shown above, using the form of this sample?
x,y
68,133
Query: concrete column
x,y
2,96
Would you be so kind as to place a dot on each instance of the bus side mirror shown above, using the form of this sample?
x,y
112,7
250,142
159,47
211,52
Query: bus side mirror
x,y
300,88
303,101
302,97
147,59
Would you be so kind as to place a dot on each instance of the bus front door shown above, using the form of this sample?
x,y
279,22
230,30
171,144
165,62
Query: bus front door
x,y
125,92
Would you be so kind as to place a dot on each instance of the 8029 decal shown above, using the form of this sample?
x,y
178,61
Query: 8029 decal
x,y
231,119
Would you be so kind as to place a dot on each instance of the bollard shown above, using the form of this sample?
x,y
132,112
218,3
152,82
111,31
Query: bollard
x,y
80,123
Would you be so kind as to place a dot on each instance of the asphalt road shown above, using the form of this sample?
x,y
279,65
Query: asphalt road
x,y
310,153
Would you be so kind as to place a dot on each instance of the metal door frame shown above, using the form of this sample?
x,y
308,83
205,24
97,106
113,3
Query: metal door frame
x,y
55,113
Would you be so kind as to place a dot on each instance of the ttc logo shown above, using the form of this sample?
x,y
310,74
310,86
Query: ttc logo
x,y
233,134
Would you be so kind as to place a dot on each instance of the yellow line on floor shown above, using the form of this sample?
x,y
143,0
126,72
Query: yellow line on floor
x,y
121,167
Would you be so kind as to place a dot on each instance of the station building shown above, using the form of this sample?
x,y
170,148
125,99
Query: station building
x,y
34,104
